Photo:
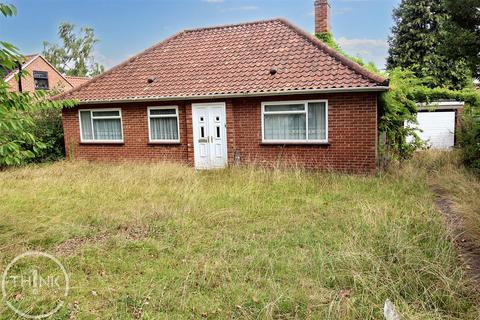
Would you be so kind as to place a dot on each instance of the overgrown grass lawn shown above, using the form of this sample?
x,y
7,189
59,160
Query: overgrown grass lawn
x,y
162,241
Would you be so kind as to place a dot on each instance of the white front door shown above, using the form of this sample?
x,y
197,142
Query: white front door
x,y
209,135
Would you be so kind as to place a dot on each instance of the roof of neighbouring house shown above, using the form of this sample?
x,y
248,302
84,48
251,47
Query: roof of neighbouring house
x,y
250,58
26,59
77,81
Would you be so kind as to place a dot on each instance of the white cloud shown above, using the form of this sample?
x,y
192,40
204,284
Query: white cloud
x,y
242,8
104,60
338,11
345,42
213,1
375,50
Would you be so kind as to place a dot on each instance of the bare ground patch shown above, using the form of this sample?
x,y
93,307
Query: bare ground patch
x,y
469,251
71,246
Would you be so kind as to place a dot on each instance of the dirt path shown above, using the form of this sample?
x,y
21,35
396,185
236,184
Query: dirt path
x,y
468,251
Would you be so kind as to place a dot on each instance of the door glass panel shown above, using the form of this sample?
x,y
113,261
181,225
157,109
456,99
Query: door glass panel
x,y
202,132
217,131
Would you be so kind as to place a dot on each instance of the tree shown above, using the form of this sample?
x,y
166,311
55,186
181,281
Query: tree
x,y
418,34
75,56
462,33
17,142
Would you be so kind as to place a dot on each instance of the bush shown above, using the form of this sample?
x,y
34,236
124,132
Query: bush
x,y
469,139
47,127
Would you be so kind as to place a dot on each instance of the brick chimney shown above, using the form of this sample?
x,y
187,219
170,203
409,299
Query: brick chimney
x,y
322,16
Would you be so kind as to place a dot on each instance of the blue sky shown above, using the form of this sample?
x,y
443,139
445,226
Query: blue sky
x,y
126,27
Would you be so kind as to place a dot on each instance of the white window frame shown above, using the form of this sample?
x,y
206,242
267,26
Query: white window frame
x,y
150,140
101,117
305,103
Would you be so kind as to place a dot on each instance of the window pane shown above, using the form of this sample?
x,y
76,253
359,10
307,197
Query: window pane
x,y
285,127
85,120
285,107
317,121
41,84
164,128
107,129
161,112
106,114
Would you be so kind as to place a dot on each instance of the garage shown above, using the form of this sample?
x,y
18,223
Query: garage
x,y
437,124
438,128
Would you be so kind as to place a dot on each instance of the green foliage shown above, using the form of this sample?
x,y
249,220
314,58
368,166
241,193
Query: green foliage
x,y
399,105
47,127
8,10
327,38
462,36
419,36
469,138
75,56
18,143
396,109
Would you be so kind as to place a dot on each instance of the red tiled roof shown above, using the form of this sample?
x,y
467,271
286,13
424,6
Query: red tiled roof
x,y
76,81
228,60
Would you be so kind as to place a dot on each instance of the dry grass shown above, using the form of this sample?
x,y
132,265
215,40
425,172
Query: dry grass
x,y
164,241
445,171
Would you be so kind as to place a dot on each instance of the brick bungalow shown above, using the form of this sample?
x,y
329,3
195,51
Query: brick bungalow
x,y
41,76
263,92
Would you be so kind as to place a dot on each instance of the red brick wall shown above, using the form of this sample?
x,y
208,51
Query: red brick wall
x,y
55,80
352,135
322,16
135,137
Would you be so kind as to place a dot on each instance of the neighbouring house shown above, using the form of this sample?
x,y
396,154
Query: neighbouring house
x,y
41,76
263,92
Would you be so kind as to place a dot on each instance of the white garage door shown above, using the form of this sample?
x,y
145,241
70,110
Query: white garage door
x,y
438,128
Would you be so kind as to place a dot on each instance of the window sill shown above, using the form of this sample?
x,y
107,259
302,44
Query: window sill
x,y
164,142
319,143
103,142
